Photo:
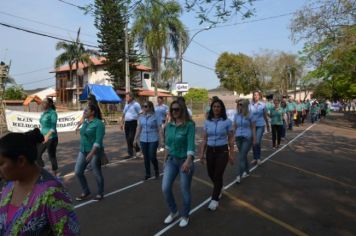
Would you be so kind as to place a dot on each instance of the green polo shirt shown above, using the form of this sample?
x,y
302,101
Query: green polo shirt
x,y
48,122
91,134
180,140
277,116
291,106
299,107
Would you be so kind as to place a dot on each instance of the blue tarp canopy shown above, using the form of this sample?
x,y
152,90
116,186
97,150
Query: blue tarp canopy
x,y
102,93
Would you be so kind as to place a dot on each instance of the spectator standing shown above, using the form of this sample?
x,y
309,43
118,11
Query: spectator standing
x,y
131,112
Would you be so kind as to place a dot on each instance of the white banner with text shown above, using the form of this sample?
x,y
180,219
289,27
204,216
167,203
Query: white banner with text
x,y
19,121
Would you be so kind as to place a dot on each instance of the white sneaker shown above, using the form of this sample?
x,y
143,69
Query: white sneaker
x,y
171,217
245,175
259,162
161,149
184,221
213,205
139,154
238,179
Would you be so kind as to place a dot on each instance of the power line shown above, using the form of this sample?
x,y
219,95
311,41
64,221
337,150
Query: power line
x,y
200,65
210,50
33,71
36,81
42,23
44,35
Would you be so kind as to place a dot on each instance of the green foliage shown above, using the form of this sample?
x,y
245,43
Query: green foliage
x,y
196,95
15,92
158,29
237,72
216,11
73,54
110,20
323,90
330,48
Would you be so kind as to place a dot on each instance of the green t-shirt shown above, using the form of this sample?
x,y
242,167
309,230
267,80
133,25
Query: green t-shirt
x,y
48,122
291,106
277,116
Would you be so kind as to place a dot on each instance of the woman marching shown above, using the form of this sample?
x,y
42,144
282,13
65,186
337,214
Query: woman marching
x,y
218,142
149,130
33,202
91,143
277,115
179,155
245,133
48,122
259,112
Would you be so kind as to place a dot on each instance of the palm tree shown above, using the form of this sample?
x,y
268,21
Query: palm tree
x,y
158,29
170,72
73,54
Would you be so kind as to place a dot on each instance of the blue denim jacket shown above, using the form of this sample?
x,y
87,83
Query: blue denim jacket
x,y
217,131
150,124
243,125
257,110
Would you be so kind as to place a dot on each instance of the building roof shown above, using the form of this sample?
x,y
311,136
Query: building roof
x,y
97,61
151,93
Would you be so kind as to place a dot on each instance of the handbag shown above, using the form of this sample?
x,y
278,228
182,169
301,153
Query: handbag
x,y
103,158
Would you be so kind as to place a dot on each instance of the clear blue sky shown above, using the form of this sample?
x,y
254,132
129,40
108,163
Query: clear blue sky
x,y
31,53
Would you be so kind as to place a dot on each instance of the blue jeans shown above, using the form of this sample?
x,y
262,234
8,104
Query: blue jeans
x,y
283,132
171,170
257,147
244,145
291,120
79,169
149,150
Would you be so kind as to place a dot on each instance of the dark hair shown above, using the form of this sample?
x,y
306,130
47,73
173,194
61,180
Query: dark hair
x,y
180,99
150,106
183,110
223,109
97,112
215,98
14,145
130,94
92,100
51,103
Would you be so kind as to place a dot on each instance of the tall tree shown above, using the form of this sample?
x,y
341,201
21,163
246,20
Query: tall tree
x,y
237,72
328,29
73,54
158,29
110,20
287,72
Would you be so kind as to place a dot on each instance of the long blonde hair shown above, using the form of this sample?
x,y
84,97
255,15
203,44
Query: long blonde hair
x,y
244,107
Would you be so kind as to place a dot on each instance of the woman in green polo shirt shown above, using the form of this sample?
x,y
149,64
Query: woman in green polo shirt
x,y
277,115
48,122
91,145
179,155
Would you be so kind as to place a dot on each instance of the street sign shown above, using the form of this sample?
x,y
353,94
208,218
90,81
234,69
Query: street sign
x,y
182,87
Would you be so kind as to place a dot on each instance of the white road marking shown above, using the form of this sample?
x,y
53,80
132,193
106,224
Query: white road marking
x,y
168,227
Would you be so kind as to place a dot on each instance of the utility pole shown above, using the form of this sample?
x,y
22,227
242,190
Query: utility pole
x,y
4,72
127,66
182,51
180,75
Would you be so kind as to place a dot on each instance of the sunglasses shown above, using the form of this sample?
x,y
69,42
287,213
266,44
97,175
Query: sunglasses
x,y
175,109
145,106
240,104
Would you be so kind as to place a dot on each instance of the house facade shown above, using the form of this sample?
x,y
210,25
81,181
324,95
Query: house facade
x,y
66,88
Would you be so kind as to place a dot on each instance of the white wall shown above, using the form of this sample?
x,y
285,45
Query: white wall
x,y
98,77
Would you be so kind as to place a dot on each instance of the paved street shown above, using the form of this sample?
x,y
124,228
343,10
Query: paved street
x,y
307,187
